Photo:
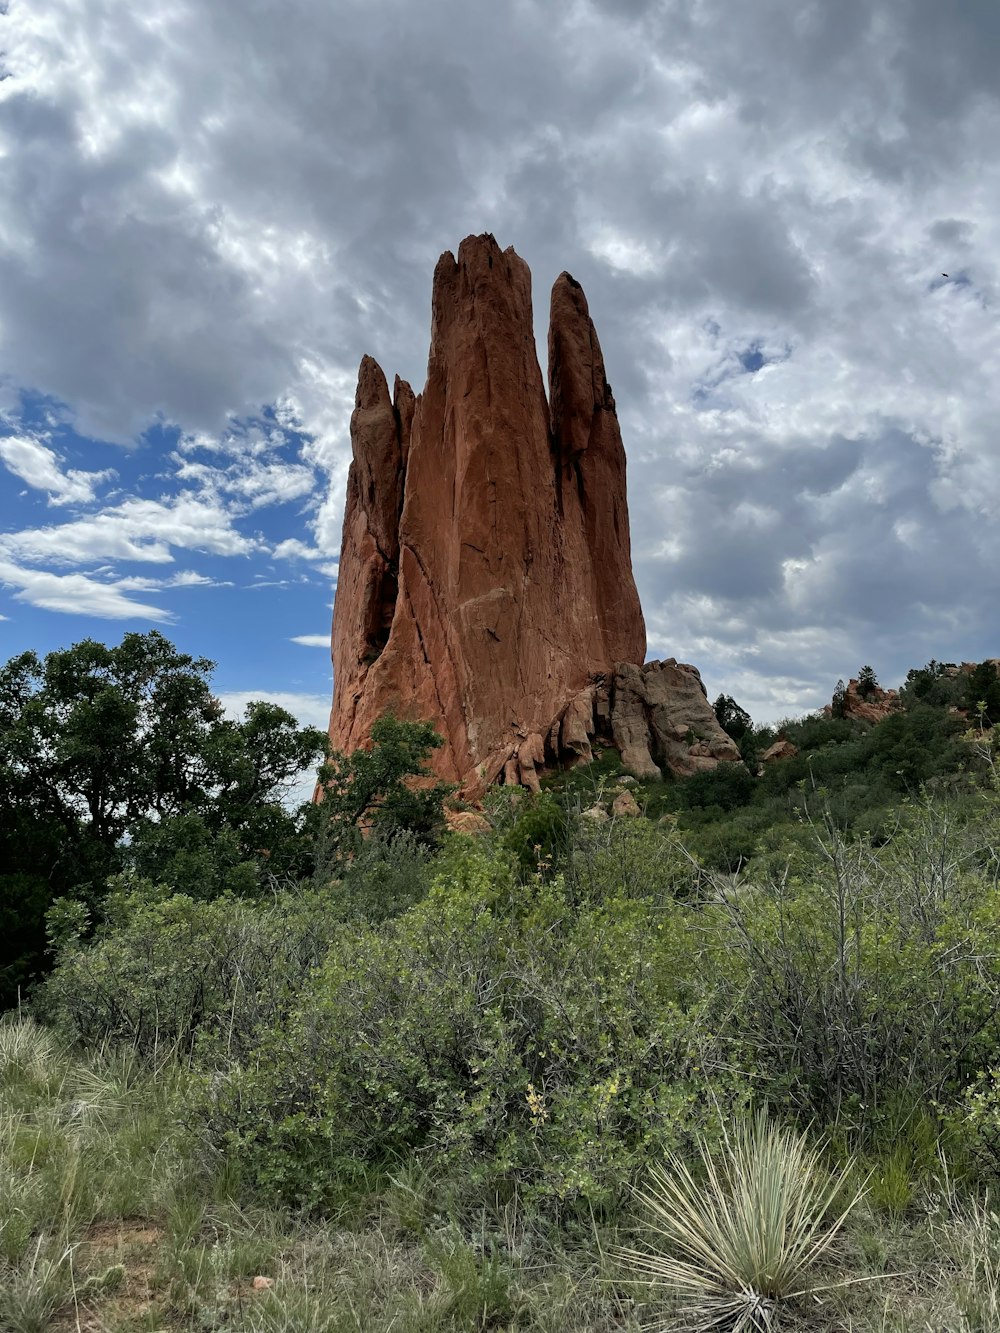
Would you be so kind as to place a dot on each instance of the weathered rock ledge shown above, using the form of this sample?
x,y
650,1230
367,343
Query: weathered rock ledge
x,y
657,716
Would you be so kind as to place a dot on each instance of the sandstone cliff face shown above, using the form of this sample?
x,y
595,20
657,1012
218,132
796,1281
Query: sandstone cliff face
x,y
485,576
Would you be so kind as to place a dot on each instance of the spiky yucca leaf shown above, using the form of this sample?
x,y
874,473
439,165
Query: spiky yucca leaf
x,y
25,1048
733,1247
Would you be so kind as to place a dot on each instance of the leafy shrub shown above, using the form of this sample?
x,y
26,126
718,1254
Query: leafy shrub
x,y
861,974
388,876
538,834
520,1043
725,846
193,858
380,791
728,788
629,858
981,1120
165,971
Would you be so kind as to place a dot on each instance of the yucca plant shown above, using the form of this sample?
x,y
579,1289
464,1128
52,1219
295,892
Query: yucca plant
x,y
26,1050
732,1248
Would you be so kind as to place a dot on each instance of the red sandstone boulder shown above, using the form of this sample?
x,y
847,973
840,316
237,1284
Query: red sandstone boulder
x,y
572,732
781,749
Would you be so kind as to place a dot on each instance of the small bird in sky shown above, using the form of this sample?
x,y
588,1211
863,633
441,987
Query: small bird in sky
x,y
944,275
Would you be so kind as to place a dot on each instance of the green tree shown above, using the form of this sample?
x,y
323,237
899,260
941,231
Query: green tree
x,y
839,701
380,792
734,720
982,694
120,757
867,682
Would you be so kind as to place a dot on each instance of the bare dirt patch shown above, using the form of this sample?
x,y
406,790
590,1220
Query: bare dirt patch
x,y
131,1242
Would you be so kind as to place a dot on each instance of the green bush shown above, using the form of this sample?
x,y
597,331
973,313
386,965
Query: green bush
x,y
538,833
523,1045
383,790
193,858
725,846
165,971
629,858
726,788
388,876
861,974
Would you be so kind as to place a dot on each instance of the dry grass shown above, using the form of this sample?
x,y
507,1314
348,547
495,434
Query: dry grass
x,y
109,1223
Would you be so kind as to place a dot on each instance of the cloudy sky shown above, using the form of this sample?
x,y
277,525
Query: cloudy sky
x,y
786,216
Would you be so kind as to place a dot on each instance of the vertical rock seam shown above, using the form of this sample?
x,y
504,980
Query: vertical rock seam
x,y
485,580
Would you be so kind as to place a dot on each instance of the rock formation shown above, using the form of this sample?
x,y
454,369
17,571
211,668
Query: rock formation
x,y
661,718
781,749
485,577
872,706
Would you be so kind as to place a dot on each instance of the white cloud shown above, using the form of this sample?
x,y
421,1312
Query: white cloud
x,y
312,640
190,578
272,483
137,529
41,468
310,710
294,549
257,482
187,578
77,594
98,593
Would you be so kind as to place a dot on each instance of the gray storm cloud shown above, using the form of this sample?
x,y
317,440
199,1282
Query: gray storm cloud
x,y
209,208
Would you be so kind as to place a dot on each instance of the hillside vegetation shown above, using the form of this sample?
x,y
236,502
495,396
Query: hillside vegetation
x,y
730,1062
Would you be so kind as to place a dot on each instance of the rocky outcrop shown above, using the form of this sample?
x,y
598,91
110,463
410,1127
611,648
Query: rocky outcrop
x,y
657,716
661,719
625,806
872,706
781,749
596,814
485,577
367,583
469,822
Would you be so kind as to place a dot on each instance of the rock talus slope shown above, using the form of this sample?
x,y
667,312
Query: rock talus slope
x,y
485,577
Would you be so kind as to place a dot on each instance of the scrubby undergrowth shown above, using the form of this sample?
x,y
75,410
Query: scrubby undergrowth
x,y
436,1117
418,1081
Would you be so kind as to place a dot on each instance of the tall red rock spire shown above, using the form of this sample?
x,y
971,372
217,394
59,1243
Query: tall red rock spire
x,y
485,578
590,461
